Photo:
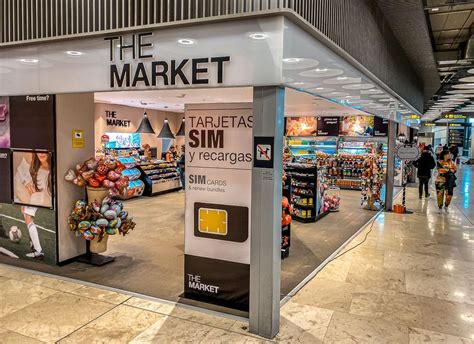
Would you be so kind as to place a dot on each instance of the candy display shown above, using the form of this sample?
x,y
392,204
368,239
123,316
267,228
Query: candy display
x,y
95,220
308,185
131,186
159,176
372,181
286,210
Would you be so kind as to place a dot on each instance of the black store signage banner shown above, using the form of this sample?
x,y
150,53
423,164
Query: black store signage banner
x,y
32,122
380,126
327,126
5,176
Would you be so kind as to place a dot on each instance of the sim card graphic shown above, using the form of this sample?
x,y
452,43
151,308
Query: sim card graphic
x,y
221,222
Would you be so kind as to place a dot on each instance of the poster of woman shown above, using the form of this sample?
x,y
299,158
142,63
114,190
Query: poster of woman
x,y
32,188
4,123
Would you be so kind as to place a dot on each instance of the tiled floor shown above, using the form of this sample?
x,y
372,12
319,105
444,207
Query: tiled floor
x,y
411,281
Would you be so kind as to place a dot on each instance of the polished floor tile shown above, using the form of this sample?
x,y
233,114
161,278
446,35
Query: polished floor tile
x,y
120,325
54,317
420,336
15,338
15,295
349,328
101,294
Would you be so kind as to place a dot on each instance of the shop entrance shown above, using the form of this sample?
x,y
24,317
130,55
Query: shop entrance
x,y
334,173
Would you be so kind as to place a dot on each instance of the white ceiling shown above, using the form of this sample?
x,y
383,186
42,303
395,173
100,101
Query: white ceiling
x,y
296,103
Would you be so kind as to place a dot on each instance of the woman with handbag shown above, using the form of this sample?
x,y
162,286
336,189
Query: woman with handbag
x,y
445,181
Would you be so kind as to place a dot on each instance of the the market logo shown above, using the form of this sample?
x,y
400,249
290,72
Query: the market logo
x,y
113,121
194,282
153,72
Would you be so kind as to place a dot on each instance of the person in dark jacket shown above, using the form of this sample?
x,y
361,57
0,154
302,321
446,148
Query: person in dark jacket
x,y
454,150
424,165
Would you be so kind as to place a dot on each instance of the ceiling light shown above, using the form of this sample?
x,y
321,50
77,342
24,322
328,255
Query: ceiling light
x,y
291,60
145,125
74,53
435,9
299,63
323,89
465,92
343,81
467,79
29,61
321,73
378,96
358,86
258,36
372,91
336,94
181,131
186,41
463,86
165,132
470,71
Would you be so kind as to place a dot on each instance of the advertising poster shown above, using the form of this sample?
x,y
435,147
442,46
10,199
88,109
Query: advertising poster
x,y
123,140
357,126
27,233
327,126
5,176
32,122
218,197
32,180
380,126
4,123
301,126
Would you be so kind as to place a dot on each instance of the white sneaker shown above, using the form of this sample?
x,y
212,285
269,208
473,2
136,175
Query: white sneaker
x,y
440,210
446,210
35,255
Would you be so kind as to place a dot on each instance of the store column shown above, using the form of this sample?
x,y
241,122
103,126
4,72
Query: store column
x,y
265,256
390,178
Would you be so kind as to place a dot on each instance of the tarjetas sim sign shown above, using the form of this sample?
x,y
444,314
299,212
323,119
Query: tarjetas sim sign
x,y
151,71
218,197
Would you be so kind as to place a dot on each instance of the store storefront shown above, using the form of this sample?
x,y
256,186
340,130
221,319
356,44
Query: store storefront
x,y
93,186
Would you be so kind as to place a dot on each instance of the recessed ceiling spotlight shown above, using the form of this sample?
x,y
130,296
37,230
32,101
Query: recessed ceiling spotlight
x,y
435,9
358,86
259,36
186,41
291,60
344,80
372,91
74,53
467,79
29,61
321,72
463,86
299,63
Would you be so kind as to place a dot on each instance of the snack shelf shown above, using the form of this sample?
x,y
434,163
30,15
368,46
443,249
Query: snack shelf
x,y
159,177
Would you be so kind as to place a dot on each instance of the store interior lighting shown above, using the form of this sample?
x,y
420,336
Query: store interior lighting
x,y
165,132
145,125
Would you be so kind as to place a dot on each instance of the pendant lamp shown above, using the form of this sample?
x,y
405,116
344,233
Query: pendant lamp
x,y
181,129
165,132
145,125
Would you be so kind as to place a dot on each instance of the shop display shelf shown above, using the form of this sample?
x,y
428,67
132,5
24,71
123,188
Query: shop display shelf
x,y
301,194
304,219
304,206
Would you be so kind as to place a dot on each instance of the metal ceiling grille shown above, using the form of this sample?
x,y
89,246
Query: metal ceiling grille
x,y
26,20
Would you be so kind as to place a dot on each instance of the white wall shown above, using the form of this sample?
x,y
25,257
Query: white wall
x,y
73,111
135,115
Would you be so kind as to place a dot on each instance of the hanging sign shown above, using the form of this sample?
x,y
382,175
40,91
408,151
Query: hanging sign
x,y
218,196
407,152
453,116
380,126
327,126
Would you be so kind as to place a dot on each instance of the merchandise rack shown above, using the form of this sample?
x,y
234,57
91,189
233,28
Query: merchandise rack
x,y
286,230
159,177
303,191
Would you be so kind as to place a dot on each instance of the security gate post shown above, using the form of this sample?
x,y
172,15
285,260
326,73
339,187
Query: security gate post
x,y
265,255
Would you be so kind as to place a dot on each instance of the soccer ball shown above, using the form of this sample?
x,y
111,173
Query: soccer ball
x,y
14,234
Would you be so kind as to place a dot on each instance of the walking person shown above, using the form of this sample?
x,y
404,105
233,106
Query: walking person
x,y
454,150
439,149
445,181
181,166
424,165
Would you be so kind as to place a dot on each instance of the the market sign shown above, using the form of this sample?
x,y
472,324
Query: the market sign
x,y
152,72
